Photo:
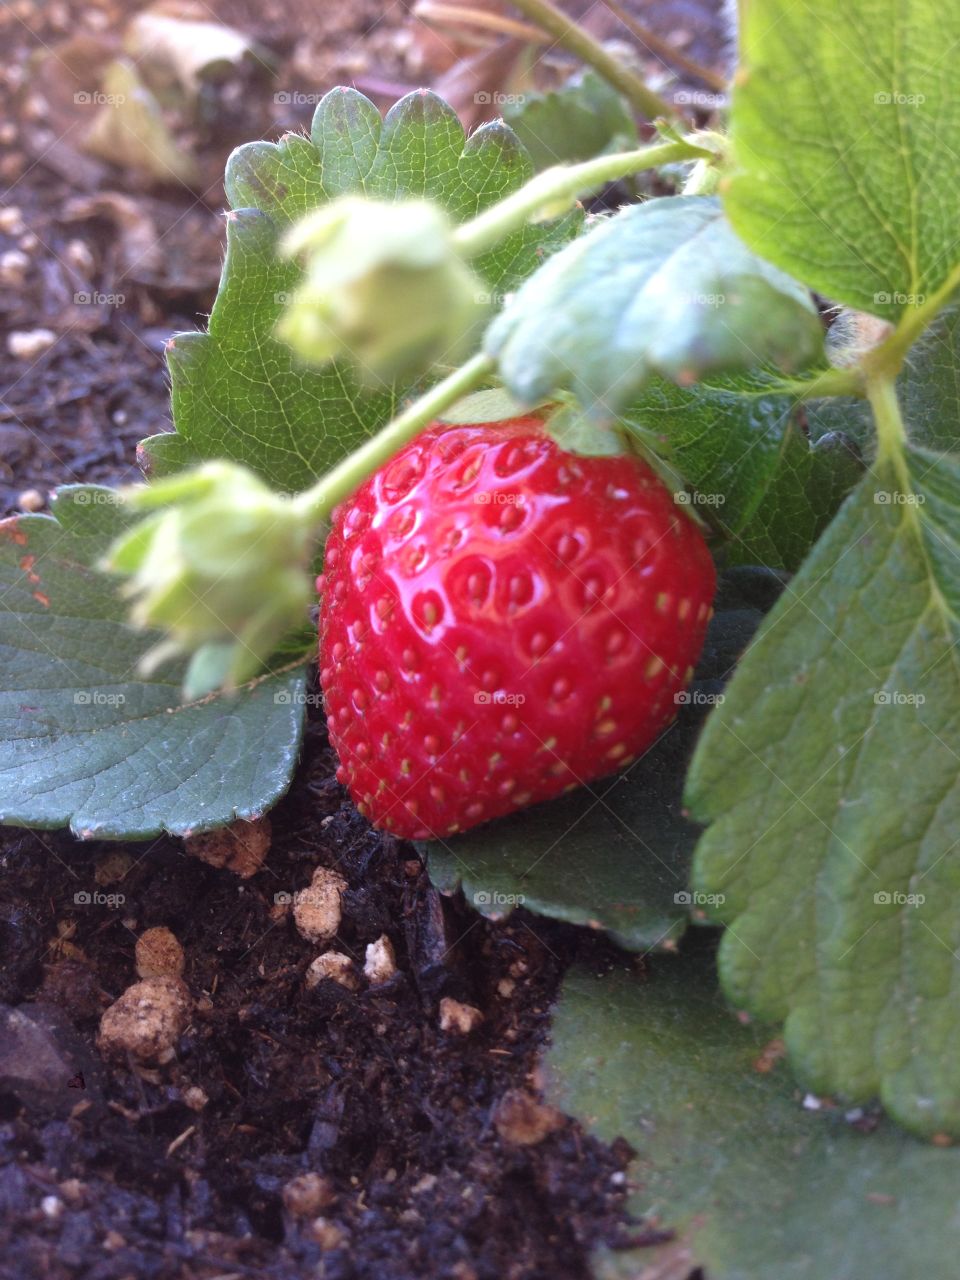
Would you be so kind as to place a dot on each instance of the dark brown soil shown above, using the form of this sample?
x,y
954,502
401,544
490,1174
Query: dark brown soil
x,y
360,1086
122,1178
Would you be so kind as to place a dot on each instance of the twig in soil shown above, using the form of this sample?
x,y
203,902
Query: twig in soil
x,y
665,50
179,1141
438,14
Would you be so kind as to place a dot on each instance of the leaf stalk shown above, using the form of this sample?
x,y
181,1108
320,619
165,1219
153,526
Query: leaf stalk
x,y
560,186
338,483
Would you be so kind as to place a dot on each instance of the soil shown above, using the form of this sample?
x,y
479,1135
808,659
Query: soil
x,y
362,1087
180,1171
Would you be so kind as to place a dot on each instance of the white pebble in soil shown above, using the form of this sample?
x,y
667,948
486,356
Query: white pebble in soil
x,y
29,344
14,265
31,500
316,909
457,1018
146,1022
335,966
307,1194
380,964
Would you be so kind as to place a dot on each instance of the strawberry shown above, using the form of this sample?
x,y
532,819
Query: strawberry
x,y
501,621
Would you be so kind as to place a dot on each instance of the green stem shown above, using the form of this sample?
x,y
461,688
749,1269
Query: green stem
x,y
561,184
567,33
341,481
831,382
887,359
891,434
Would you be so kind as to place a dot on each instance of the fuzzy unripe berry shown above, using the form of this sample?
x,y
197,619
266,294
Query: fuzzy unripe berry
x,y
383,285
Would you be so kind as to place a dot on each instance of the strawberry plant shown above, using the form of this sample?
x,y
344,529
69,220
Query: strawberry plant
x,y
522,438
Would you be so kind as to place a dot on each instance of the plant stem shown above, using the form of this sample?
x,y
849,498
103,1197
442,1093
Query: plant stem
x,y
889,356
571,36
560,184
891,435
458,16
341,481
831,382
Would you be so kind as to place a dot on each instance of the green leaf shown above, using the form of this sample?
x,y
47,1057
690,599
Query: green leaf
x,y
238,392
614,855
484,406
928,389
578,432
755,1185
663,287
87,742
165,454
846,127
584,118
742,450
830,776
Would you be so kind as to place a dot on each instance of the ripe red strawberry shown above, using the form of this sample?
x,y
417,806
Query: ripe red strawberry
x,y
502,620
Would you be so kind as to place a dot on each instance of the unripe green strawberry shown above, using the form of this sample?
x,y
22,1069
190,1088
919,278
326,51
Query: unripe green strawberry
x,y
501,621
